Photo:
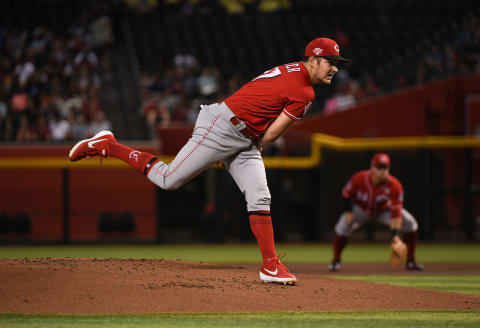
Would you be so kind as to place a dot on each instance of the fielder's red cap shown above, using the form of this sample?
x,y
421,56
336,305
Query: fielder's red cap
x,y
324,47
381,160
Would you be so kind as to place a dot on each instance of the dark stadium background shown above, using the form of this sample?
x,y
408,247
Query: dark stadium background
x,y
142,68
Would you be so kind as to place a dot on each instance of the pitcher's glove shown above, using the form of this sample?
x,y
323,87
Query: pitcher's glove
x,y
399,251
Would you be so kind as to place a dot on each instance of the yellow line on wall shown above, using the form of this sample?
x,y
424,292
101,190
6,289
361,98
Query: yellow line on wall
x,y
396,142
319,141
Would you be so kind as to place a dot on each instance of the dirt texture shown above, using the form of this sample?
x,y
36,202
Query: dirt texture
x,y
109,286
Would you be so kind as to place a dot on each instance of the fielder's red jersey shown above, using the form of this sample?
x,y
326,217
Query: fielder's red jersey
x,y
374,199
284,88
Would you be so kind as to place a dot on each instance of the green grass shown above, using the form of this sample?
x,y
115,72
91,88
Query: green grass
x,y
458,284
247,253
391,319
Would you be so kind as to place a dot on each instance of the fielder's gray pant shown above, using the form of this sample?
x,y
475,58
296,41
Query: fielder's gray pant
x,y
409,224
215,139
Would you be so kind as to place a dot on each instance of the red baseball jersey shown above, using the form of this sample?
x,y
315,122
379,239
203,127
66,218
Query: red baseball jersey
x,y
374,199
284,88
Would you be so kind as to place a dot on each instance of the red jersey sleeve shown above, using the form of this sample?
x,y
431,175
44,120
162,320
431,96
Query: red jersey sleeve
x,y
396,198
285,88
297,102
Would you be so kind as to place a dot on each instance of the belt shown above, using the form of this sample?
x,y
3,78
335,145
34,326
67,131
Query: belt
x,y
247,132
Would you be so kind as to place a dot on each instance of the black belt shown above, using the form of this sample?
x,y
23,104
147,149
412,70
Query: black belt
x,y
247,132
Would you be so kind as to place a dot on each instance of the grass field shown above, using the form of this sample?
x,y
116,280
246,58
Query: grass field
x,y
299,319
451,283
302,253
247,253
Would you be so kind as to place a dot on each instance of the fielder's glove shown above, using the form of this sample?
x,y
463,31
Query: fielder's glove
x,y
399,251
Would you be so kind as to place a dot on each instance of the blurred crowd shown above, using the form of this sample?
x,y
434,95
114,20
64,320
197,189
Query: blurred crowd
x,y
461,56
176,94
50,83
458,56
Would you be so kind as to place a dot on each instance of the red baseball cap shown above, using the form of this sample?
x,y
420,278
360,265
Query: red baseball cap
x,y
381,160
324,47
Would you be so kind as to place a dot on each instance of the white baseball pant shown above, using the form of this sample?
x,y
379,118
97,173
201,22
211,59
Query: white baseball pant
x,y
215,139
360,217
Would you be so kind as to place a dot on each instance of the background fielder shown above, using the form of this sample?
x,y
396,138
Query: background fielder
x,y
235,132
375,195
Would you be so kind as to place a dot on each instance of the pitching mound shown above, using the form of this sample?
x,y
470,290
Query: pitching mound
x,y
107,286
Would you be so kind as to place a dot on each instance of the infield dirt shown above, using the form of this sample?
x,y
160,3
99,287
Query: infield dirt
x,y
109,286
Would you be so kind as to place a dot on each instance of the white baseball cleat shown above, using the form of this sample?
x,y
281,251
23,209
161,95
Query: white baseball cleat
x,y
95,146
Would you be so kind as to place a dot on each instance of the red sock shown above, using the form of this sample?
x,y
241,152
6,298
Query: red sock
x,y
339,243
410,238
261,224
139,160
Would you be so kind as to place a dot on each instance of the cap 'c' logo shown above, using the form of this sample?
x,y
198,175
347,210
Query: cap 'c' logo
x,y
134,155
317,51
337,48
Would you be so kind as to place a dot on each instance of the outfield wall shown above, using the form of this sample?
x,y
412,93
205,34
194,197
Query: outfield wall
x,y
51,194
47,198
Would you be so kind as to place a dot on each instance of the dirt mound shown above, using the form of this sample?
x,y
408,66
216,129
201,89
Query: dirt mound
x,y
106,286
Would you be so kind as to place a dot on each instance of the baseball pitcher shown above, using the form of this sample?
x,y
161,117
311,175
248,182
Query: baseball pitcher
x,y
235,131
376,195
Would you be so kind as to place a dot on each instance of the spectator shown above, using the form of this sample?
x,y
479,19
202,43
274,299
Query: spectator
x,y
99,123
101,30
24,132
19,101
41,129
91,103
72,99
8,130
155,113
86,57
169,99
80,128
208,82
186,61
342,100
24,70
59,127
